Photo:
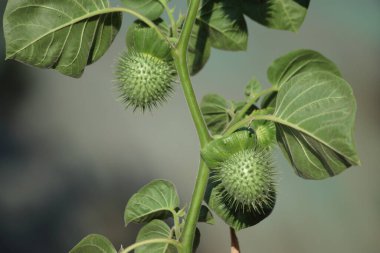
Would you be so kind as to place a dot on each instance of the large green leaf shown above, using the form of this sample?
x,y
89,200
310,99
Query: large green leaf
x,y
65,35
151,9
227,26
206,216
158,199
156,229
278,14
94,244
199,49
314,117
217,112
296,62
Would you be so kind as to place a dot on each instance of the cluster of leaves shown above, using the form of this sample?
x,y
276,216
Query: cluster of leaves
x,y
69,35
152,204
309,110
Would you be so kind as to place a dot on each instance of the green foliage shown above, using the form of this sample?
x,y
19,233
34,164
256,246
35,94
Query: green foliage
x,y
206,216
151,9
314,116
94,244
227,27
63,35
297,62
156,200
199,49
278,14
217,112
155,229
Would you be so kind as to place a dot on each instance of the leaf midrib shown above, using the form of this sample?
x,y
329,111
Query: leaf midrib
x,y
296,127
72,22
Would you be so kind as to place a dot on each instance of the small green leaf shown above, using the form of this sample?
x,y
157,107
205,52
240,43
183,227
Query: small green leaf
x,y
158,199
227,26
297,62
217,112
151,9
94,244
144,39
199,49
314,117
62,35
156,229
206,216
237,218
252,88
278,14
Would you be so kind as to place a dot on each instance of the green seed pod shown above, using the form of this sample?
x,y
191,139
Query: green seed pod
x,y
242,172
144,81
265,130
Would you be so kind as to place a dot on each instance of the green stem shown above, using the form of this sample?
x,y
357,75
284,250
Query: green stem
x,y
177,225
250,102
247,120
171,17
179,55
151,241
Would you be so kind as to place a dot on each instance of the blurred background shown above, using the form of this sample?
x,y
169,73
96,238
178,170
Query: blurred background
x,y
71,156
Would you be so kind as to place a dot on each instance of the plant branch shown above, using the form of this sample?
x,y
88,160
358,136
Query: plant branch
x,y
151,241
169,12
179,55
235,248
250,102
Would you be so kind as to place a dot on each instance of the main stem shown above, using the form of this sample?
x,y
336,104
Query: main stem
x,y
179,55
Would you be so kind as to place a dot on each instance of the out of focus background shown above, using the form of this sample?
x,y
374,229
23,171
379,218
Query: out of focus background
x,y
71,155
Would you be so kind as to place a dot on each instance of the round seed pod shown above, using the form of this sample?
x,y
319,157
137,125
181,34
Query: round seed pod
x,y
144,81
242,172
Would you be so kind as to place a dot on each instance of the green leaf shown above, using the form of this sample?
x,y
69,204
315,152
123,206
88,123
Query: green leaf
x,y
206,216
294,63
158,199
314,117
237,218
151,9
156,229
62,35
297,62
199,49
252,88
278,14
94,244
144,39
227,26
197,239
217,112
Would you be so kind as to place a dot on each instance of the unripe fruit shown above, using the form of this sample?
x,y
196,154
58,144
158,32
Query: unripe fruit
x,y
145,81
246,179
242,172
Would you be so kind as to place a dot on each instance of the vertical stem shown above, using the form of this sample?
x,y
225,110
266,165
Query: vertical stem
x,y
179,55
235,248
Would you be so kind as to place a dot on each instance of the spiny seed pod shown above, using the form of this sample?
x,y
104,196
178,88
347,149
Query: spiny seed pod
x,y
145,81
242,172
